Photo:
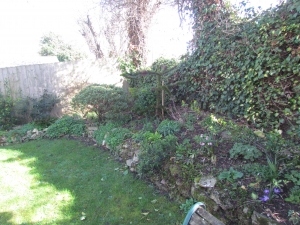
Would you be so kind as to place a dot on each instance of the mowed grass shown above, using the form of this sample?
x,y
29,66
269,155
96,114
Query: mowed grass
x,y
65,182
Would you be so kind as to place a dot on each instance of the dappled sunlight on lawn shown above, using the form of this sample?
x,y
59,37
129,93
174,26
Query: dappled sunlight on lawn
x,y
24,196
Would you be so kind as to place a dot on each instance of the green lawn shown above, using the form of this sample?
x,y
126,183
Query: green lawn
x,y
64,182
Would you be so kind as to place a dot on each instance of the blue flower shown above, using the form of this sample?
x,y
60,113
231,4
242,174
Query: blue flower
x,y
276,190
264,198
266,191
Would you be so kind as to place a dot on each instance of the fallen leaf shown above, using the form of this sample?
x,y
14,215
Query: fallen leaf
x,y
259,133
145,214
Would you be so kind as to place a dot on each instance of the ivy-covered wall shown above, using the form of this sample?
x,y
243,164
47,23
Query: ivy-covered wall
x,y
246,67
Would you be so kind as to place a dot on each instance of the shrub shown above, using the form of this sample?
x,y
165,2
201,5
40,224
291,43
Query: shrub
x,y
144,101
36,110
67,125
167,127
6,112
107,101
154,154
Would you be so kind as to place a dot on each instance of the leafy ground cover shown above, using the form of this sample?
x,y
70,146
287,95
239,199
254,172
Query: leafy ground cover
x,y
65,182
256,171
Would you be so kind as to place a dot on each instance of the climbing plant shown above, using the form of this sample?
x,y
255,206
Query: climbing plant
x,y
246,66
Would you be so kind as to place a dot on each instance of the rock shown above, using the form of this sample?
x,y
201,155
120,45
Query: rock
x,y
245,210
35,136
244,216
205,182
129,162
29,133
135,158
258,219
215,196
35,131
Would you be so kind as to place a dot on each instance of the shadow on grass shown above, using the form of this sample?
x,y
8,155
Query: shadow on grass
x,y
65,182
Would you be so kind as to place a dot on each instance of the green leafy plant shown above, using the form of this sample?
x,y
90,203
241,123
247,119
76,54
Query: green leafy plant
x,y
294,176
154,154
185,152
103,129
272,171
148,127
107,101
213,124
111,135
185,207
205,142
167,127
151,137
230,175
116,137
67,125
294,196
189,119
248,152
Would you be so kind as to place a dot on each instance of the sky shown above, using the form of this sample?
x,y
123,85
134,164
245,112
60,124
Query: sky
x,y
23,22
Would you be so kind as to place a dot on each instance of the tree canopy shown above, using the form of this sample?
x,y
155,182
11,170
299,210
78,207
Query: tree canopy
x,y
53,45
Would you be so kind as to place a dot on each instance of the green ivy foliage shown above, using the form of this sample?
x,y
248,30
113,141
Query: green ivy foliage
x,y
247,67
148,80
107,101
